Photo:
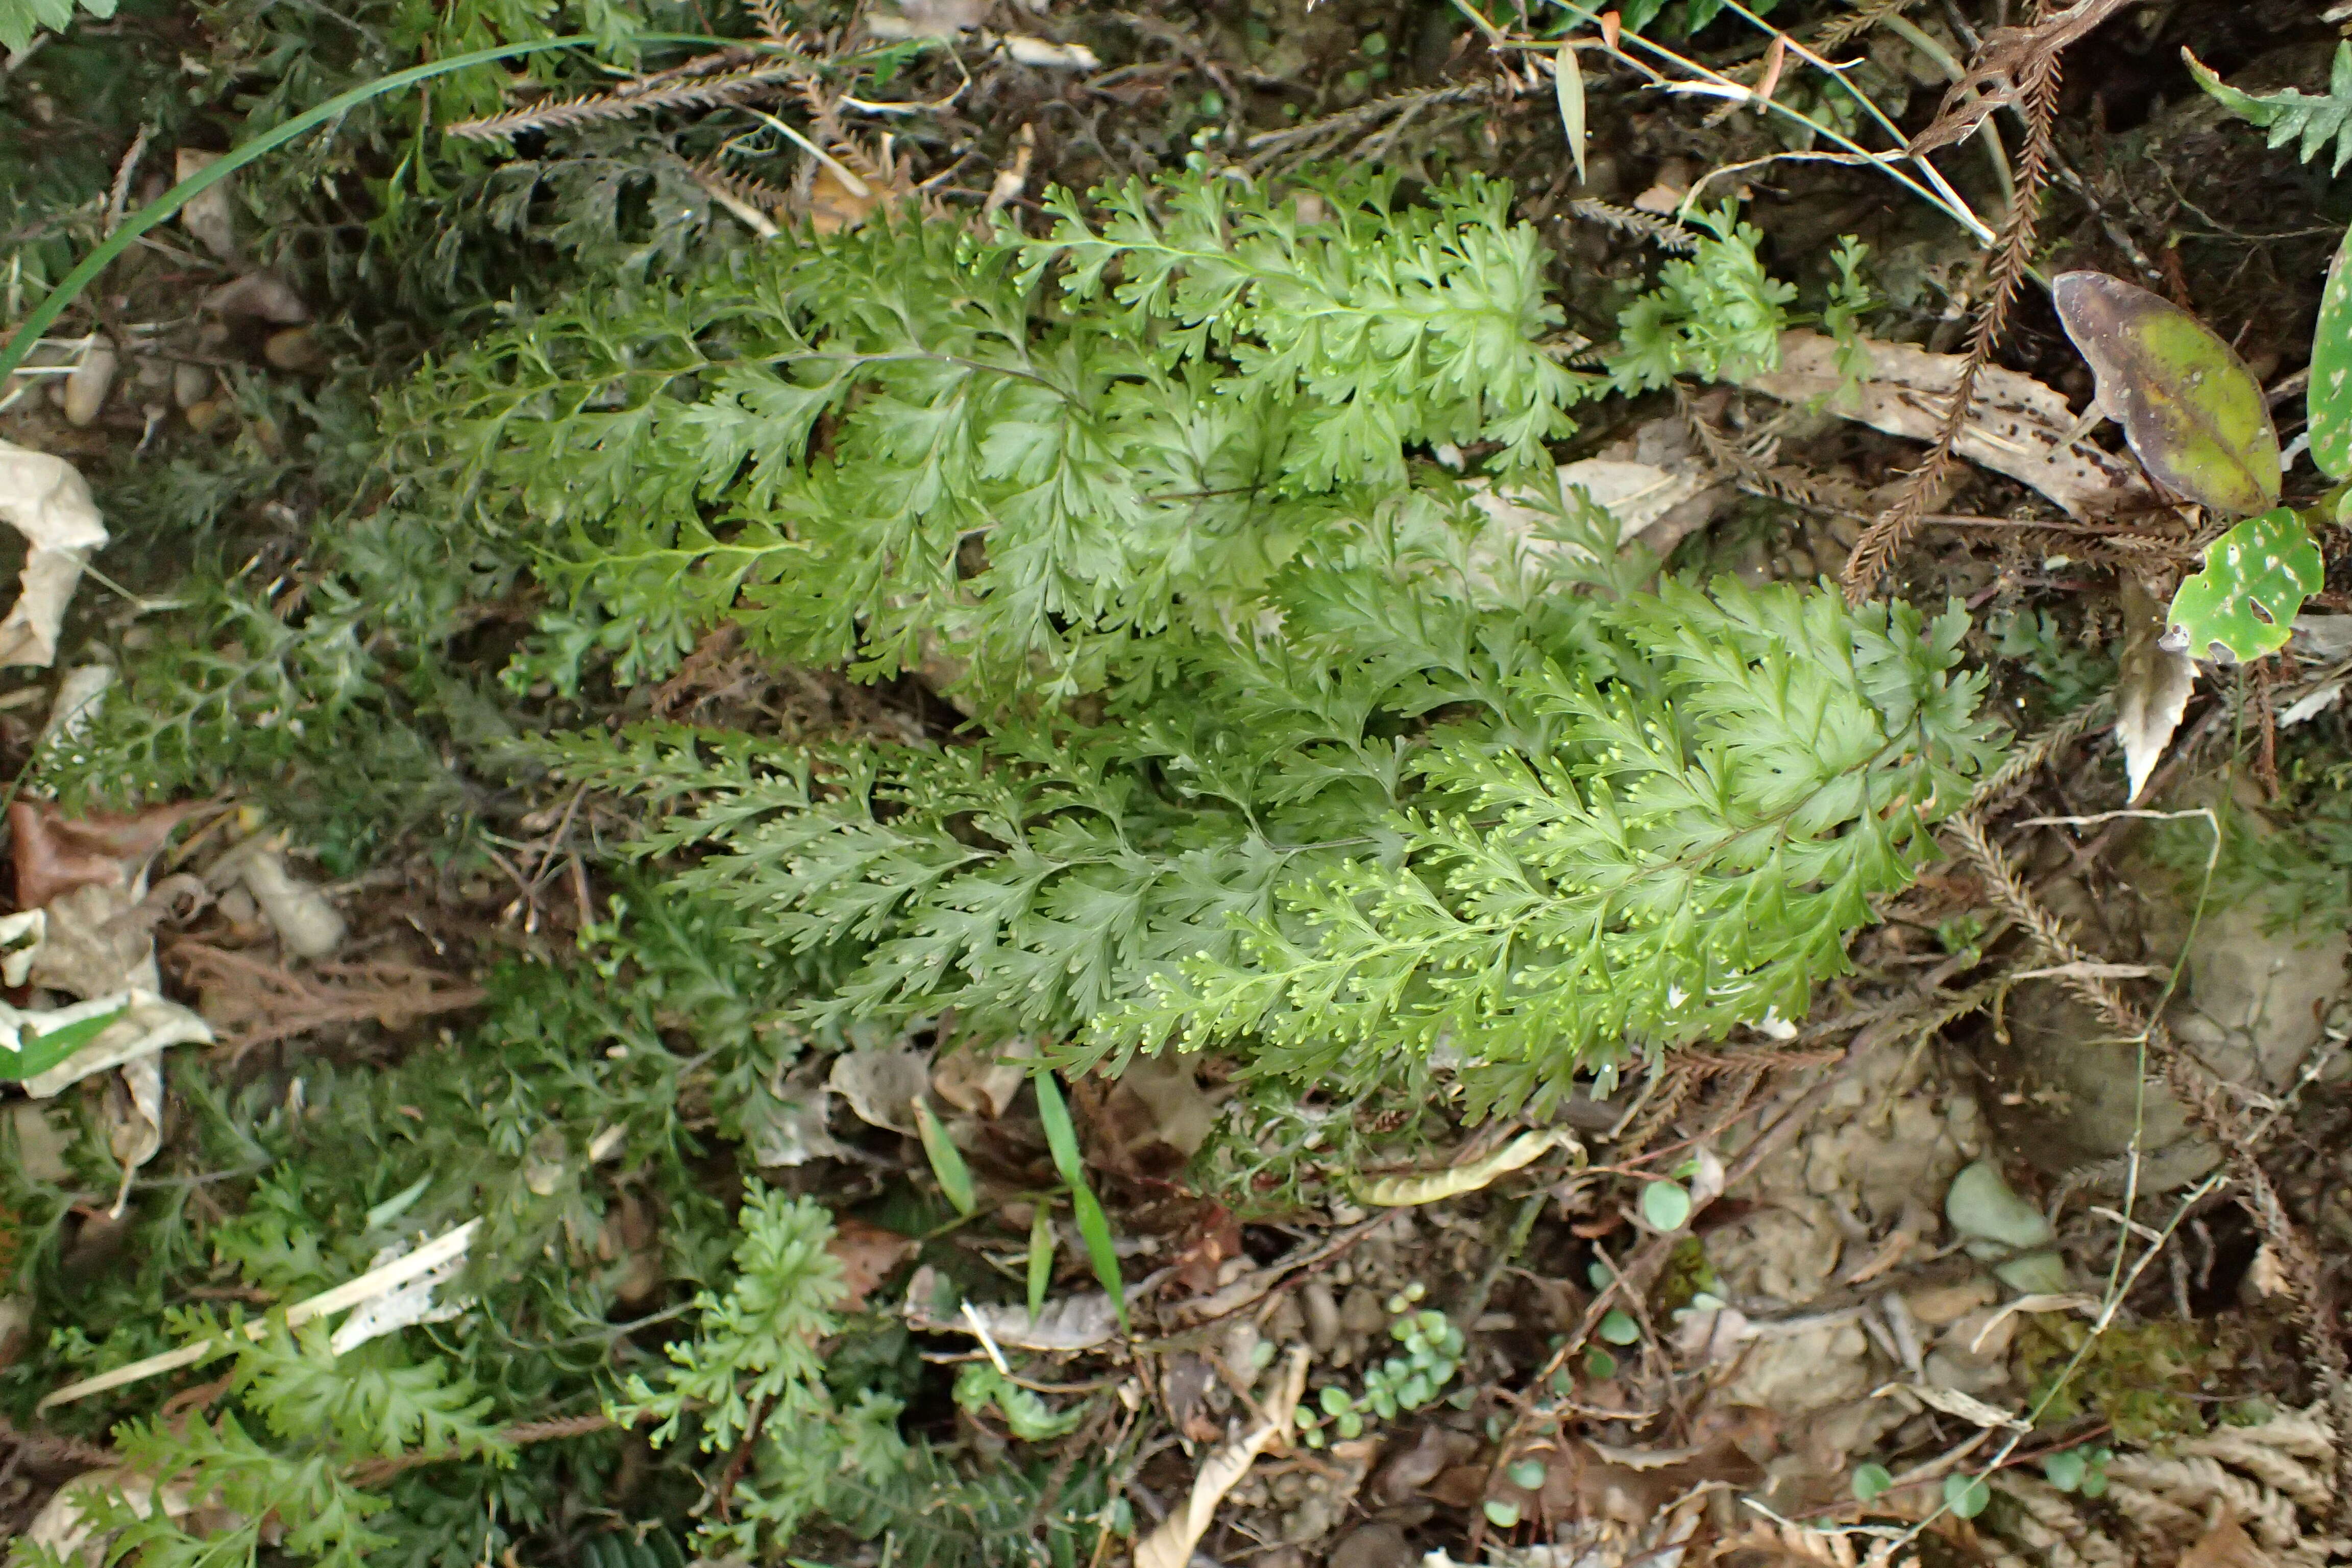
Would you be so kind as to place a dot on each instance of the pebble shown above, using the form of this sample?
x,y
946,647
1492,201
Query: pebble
x,y
1361,1312
294,349
86,388
1933,1306
202,416
191,385
1322,1316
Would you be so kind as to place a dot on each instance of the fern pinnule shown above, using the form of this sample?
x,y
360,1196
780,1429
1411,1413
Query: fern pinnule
x,y
1663,233
749,189
589,108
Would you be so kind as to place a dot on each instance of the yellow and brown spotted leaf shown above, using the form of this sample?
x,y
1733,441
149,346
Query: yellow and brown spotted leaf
x,y
2193,412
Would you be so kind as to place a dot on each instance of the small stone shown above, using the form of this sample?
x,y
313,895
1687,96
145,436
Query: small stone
x,y
191,384
1322,1316
295,350
1797,565
1933,1306
1372,1546
1361,1312
202,416
87,386
1285,1324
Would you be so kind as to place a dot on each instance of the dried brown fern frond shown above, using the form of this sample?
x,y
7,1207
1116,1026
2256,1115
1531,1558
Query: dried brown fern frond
x,y
1874,552
1663,233
1866,15
706,92
771,17
748,189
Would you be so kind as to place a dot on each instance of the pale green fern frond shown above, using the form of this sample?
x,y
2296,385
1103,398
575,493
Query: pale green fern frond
x,y
2291,114
20,19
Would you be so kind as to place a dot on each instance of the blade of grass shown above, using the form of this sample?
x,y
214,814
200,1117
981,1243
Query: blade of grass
x,y
947,1159
1041,1258
29,332
1094,1228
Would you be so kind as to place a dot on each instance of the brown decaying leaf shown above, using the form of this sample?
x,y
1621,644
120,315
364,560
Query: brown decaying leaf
x,y
255,1003
2226,1545
2016,425
2193,412
867,1254
55,854
2152,685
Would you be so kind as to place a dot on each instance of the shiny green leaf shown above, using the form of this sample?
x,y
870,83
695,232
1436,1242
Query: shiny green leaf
x,y
1094,1229
2329,399
1619,1328
2256,577
1666,1205
947,1159
1966,1495
1568,83
1870,1481
2193,412
1041,1257
1501,1514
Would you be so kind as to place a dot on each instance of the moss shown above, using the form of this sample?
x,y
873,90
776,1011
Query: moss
x,y
2143,1379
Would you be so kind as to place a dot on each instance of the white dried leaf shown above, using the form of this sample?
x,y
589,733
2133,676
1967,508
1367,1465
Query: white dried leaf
x,y
1952,1402
2312,703
403,1306
1405,1191
148,1024
46,501
2153,684
2016,424
1023,50
1062,1327
1170,1545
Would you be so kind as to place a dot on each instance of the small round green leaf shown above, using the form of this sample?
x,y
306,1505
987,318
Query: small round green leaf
x,y
1527,1475
2330,398
2193,412
1334,1400
1666,1205
1619,1326
2256,577
1599,1363
2064,1469
1870,1481
1966,1495
2094,1482
1500,1514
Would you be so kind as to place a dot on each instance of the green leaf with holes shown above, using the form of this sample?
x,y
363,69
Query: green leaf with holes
x,y
2256,577
2330,397
2193,412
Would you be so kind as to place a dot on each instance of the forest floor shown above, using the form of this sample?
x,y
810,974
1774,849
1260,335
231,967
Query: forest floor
x,y
1943,1271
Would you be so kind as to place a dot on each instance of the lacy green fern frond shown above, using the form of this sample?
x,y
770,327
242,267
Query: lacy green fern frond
x,y
369,1398
1716,314
1003,474
1492,841
1692,857
755,1352
321,1516
2291,114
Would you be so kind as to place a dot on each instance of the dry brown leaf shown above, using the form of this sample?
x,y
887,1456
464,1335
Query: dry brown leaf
x,y
882,1086
1170,1545
43,499
2017,425
1069,1324
867,1254
1405,1191
2226,1545
2153,684
55,854
982,1080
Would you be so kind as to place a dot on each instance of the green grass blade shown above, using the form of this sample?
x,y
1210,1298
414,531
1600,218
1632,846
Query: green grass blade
x,y
126,234
1041,1257
947,1159
1094,1228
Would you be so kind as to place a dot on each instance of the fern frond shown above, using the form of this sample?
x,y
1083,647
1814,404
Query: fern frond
x,y
1663,233
589,108
2291,114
